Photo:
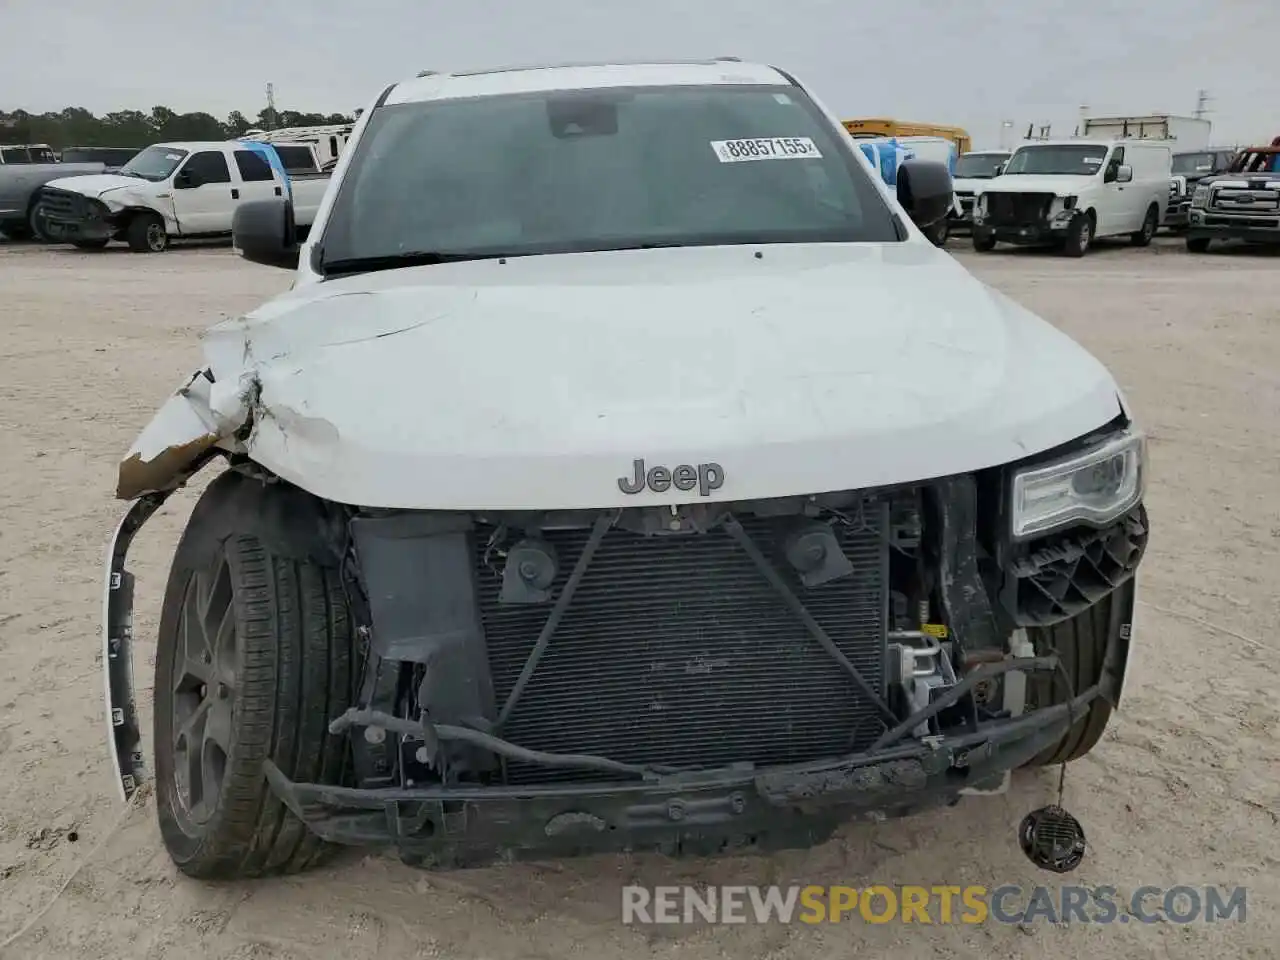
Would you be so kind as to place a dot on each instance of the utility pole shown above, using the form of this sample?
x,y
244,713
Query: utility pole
x,y
1202,101
271,106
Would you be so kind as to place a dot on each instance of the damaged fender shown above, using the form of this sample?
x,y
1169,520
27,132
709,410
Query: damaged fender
x,y
200,415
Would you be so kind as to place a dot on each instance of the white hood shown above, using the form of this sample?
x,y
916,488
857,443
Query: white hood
x,y
970,184
537,382
1061,185
96,184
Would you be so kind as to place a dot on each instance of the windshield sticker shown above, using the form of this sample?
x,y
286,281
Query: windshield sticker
x,y
1090,159
173,156
765,148
783,99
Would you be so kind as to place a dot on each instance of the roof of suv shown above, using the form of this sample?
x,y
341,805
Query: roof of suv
x,y
582,76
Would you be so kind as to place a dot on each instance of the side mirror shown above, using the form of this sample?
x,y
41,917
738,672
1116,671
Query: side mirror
x,y
263,231
1000,168
186,180
1124,173
925,191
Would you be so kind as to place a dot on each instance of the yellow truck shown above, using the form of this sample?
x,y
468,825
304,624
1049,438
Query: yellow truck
x,y
888,127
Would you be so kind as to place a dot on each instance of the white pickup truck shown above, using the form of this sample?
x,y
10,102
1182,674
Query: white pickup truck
x,y
173,191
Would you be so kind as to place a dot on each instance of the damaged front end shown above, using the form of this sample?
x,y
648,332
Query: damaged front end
x,y
689,678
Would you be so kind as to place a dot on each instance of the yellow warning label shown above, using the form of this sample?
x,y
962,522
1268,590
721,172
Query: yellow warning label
x,y
935,630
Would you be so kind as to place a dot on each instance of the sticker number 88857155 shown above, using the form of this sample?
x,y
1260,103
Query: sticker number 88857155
x,y
765,148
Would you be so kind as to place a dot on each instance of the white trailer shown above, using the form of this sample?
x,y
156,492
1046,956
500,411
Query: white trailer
x,y
328,139
1187,133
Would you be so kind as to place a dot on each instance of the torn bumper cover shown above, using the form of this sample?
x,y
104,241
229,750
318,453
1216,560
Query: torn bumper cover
x,y
200,416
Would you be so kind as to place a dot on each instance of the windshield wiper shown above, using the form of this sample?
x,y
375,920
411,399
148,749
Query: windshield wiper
x,y
394,261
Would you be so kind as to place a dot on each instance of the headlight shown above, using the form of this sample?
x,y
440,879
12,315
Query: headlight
x,y
1200,199
1096,485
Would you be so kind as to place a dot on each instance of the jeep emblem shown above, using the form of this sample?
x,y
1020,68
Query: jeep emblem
x,y
705,476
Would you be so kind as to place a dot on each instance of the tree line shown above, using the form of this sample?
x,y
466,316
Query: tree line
x,y
75,126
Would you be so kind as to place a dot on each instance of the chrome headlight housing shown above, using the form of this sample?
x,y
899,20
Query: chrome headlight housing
x,y
1200,198
1095,485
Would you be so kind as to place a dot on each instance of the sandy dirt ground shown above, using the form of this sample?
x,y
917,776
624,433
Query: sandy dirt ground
x,y
1185,788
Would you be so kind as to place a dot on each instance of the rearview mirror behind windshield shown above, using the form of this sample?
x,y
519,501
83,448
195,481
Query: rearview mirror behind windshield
x,y
925,191
582,116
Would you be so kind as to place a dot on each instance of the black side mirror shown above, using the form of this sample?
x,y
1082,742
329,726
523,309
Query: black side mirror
x,y
263,231
186,180
925,191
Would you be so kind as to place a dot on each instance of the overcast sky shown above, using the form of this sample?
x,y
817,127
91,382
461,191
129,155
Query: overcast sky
x,y
970,63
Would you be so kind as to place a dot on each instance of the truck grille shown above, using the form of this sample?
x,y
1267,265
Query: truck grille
x,y
63,204
1245,200
1017,209
675,650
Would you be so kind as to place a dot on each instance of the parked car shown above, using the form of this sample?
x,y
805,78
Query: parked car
x,y
1068,193
20,185
623,470
26,153
111,156
973,171
1241,204
173,191
1189,169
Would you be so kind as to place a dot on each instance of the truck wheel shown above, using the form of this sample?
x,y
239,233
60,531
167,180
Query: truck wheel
x,y
1197,244
146,234
1081,643
35,224
1079,236
253,660
983,243
1150,225
939,232
97,244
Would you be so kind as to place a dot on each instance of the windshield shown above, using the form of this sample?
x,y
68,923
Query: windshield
x,y
979,166
1185,163
154,163
607,169
1057,159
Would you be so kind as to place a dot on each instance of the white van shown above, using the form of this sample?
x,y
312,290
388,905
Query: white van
x,y
1067,193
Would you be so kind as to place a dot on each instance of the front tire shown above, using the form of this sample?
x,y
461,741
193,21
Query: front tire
x,y
146,234
1081,645
983,243
939,232
1150,225
1079,236
253,661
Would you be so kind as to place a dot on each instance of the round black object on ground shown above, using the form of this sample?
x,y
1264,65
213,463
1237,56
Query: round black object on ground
x,y
1052,839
